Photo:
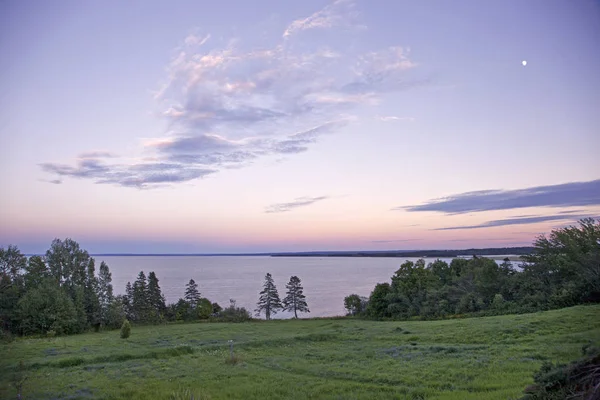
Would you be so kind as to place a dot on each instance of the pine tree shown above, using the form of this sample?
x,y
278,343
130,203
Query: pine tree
x,y
140,298
155,298
90,295
192,295
128,302
295,300
105,292
268,301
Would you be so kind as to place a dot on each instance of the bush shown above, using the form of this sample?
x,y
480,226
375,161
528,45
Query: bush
x,y
125,329
233,314
578,380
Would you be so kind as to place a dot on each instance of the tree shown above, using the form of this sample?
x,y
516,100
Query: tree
x,y
105,292
47,308
268,301
36,272
90,294
569,254
67,262
115,314
155,298
295,300
12,262
192,295
128,302
140,303
204,309
355,304
378,301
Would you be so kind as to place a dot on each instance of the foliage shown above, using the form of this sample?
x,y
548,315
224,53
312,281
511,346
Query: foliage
x,y
61,293
295,300
233,314
125,329
105,294
47,308
192,295
268,301
579,380
563,270
355,304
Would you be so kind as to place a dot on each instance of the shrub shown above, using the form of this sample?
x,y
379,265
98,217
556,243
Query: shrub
x,y
578,380
233,314
125,329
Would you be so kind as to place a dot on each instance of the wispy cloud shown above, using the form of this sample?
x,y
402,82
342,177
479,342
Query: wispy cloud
x,y
138,175
53,181
338,13
392,118
571,194
299,202
227,104
516,221
97,154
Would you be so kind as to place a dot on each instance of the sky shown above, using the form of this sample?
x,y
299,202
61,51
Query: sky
x,y
236,126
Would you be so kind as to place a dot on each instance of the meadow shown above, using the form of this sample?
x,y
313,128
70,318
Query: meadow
x,y
475,358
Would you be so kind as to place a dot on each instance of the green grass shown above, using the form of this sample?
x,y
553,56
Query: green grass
x,y
477,358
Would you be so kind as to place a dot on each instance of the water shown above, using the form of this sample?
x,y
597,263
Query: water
x,y
326,280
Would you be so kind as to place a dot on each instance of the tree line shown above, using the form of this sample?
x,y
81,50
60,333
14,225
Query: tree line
x,y
61,293
563,270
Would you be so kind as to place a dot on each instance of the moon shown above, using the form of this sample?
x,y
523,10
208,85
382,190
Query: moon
x,y
524,62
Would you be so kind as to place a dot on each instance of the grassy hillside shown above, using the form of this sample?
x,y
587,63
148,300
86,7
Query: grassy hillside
x,y
478,358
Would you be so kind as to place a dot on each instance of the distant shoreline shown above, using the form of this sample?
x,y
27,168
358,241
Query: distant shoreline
x,y
513,253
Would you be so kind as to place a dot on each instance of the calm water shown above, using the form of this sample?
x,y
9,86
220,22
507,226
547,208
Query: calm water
x,y
326,281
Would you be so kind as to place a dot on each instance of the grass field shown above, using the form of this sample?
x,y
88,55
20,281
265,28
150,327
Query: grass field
x,y
477,358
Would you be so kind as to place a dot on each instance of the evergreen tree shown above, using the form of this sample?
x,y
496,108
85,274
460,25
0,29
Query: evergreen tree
x,y
268,301
105,292
295,300
12,287
155,298
140,303
192,295
90,293
128,302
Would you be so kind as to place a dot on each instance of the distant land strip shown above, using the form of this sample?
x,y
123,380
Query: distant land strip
x,y
496,252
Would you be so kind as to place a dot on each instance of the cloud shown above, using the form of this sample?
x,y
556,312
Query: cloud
x,y
227,104
571,194
53,181
516,221
299,202
338,13
139,175
392,118
97,154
